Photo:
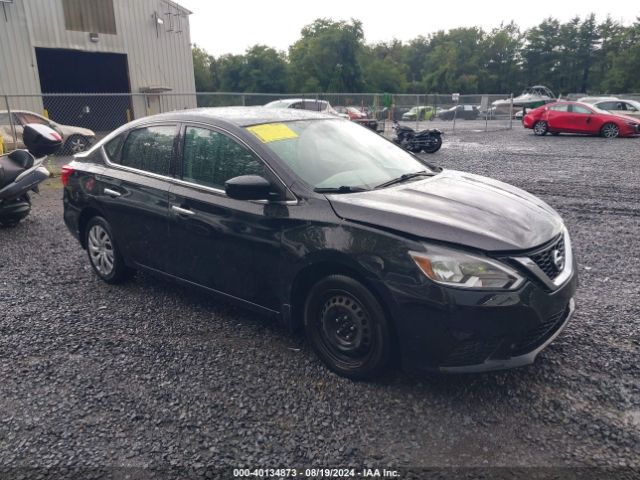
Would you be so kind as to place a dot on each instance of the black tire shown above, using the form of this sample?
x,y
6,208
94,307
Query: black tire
x,y
434,146
610,130
9,222
412,147
347,327
540,128
76,144
110,267
13,220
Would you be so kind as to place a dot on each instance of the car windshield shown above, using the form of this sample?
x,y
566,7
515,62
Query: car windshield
x,y
330,154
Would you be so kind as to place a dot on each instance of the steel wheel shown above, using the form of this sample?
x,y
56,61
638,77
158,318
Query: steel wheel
x,y
347,328
100,249
540,128
610,130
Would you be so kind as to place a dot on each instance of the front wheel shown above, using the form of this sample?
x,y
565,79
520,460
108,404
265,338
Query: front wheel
x,y
347,327
609,130
433,144
540,128
104,256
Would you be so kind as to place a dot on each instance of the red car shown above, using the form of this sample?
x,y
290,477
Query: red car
x,y
576,117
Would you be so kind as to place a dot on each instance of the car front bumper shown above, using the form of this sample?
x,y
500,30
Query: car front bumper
x,y
456,331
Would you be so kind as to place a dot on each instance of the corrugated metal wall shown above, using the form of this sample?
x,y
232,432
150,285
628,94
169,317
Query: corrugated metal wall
x,y
156,57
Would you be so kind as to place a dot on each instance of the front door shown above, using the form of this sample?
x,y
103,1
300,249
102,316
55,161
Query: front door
x,y
580,119
232,246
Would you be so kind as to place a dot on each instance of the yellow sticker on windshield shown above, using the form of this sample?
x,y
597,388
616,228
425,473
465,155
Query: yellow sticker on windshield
x,y
272,132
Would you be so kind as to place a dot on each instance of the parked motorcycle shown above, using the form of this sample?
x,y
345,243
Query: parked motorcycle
x,y
428,141
21,171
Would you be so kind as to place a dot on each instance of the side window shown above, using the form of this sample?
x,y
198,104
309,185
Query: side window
x,y
211,158
607,106
580,109
630,107
28,118
113,148
560,108
149,149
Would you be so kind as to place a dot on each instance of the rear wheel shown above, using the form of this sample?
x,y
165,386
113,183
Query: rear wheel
x,y
540,128
347,327
103,252
610,130
433,145
11,220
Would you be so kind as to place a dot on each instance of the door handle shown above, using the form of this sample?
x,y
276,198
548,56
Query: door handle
x,y
111,193
182,211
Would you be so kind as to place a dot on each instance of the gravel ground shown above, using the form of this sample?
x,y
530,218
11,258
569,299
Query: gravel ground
x,y
151,374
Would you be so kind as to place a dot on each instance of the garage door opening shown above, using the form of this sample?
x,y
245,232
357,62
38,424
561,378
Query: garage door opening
x,y
72,71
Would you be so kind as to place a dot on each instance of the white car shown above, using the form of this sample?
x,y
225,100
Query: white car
x,y
619,106
306,104
76,139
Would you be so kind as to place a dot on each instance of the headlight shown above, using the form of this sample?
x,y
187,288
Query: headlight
x,y
458,269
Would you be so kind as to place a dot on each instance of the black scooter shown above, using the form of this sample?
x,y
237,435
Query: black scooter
x,y
428,141
22,171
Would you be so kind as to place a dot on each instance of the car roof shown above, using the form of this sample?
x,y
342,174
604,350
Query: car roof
x,y
239,116
291,101
21,111
597,99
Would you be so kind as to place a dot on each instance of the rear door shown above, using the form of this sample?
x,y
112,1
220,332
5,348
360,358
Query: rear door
x,y
134,191
558,118
232,246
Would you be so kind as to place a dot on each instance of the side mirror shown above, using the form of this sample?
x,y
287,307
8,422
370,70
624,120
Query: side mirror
x,y
248,187
41,140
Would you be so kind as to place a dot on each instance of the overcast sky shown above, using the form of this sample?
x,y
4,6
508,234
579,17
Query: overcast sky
x,y
232,26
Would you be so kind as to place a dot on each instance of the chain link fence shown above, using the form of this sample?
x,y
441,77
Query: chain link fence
x,y
82,118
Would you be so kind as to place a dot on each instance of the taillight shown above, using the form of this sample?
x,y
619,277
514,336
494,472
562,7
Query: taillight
x,y
65,173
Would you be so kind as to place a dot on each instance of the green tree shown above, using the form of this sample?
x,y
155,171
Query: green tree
x,y
501,59
326,57
265,71
202,70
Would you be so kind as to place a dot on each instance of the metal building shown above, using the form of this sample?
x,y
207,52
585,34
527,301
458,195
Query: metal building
x,y
95,46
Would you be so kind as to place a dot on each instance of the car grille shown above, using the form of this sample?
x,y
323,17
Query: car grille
x,y
540,334
475,352
544,259
471,352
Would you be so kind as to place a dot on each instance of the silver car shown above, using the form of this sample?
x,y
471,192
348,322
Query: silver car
x,y
76,139
629,108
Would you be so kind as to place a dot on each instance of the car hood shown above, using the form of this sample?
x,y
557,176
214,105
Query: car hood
x,y
456,207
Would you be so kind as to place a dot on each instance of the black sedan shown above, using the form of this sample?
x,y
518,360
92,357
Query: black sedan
x,y
330,228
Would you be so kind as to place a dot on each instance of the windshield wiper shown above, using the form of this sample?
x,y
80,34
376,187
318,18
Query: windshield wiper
x,y
404,178
341,189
